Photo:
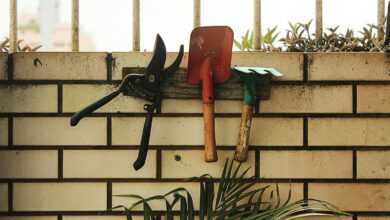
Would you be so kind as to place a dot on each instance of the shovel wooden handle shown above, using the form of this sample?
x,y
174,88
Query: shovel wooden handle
x,y
210,150
243,135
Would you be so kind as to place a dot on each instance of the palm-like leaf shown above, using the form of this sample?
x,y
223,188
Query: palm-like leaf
x,y
237,197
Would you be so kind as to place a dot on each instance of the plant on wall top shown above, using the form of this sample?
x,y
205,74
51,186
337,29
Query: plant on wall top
x,y
4,46
235,197
298,38
246,42
268,40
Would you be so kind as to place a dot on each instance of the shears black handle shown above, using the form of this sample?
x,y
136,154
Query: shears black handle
x,y
75,119
144,147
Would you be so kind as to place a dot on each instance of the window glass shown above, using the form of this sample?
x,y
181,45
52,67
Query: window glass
x,y
278,13
105,25
352,14
236,14
4,19
172,19
45,23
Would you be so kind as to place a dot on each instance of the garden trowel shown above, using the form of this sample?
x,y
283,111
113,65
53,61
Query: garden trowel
x,y
208,63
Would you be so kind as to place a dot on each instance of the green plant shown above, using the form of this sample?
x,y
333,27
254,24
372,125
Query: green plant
x,y
269,39
298,38
236,197
246,43
5,47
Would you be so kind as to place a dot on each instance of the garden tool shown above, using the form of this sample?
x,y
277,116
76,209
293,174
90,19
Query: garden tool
x,y
252,78
146,86
209,61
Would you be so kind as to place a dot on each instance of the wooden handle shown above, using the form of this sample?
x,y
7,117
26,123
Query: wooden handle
x,y
210,151
243,135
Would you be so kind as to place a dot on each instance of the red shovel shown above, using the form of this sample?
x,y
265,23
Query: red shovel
x,y
209,61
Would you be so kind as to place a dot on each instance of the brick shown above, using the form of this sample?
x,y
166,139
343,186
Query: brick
x,y
3,66
276,132
3,131
190,163
348,66
28,217
296,190
77,97
165,131
290,64
195,106
326,218
60,66
59,196
373,164
107,164
29,164
264,131
3,197
373,99
105,217
189,131
181,106
373,218
306,164
353,197
140,59
228,106
309,99
349,131
147,189
57,131
28,98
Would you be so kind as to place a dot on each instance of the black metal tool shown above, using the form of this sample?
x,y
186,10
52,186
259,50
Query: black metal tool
x,y
146,86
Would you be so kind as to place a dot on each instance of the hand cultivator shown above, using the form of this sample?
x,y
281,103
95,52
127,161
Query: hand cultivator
x,y
253,78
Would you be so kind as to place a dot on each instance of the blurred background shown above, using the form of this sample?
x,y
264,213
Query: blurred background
x,y
107,25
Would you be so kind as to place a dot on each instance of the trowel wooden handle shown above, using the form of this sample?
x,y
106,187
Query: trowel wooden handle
x,y
210,151
243,135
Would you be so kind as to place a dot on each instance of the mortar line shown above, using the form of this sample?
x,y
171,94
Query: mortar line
x,y
60,98
60,163
257,164
109,131
305,190
257,106
305,68
354,164
140,213
198,147
305,132
109,195
354,98
181,180
10,197
10,131
159,164
109,62
217,115
10,68
116,81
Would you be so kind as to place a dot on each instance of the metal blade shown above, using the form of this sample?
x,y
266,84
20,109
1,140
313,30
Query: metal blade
x,y
175,65
157,62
